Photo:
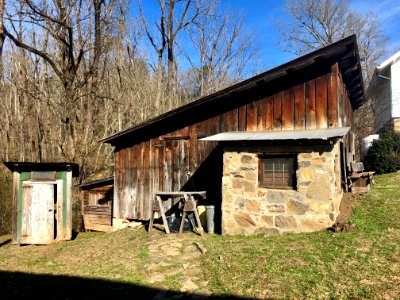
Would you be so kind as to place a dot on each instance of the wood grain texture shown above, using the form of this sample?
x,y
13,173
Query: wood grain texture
x,y
173,161
332,97
321,101
299,108
310,112
277,111
288,109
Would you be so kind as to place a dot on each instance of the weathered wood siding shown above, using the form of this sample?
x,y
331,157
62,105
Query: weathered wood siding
x,y
97,208
169,162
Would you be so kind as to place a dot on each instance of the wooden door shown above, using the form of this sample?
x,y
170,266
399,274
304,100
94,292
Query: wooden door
x,y
37,213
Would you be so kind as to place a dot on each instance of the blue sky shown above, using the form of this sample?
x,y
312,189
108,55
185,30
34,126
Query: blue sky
x,y
261,14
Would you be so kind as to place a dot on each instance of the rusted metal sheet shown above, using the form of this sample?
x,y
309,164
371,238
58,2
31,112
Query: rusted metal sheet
x,y
315,134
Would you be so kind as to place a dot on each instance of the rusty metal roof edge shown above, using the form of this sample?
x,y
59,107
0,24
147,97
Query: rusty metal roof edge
x,y
310,134
328,50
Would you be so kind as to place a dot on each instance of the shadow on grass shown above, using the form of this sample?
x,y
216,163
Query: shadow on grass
x,y
16,285
6,242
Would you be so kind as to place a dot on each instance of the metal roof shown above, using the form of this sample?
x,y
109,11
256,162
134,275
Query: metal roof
x,y
345,52
313,134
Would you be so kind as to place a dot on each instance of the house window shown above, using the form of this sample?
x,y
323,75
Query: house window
x,y
277,171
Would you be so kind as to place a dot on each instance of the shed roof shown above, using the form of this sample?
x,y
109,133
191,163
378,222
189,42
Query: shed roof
x,y
32,166
315,134
96,183
390,61
345,52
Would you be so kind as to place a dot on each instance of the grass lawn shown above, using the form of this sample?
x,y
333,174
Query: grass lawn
x,y
364,263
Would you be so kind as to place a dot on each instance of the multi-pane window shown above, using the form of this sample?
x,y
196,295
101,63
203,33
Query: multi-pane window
x,y
277,172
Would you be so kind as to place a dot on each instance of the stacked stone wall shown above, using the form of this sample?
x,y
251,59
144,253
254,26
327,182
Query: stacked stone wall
x,y
312,205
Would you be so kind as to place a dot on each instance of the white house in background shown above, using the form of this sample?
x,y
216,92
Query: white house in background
x,y
385,85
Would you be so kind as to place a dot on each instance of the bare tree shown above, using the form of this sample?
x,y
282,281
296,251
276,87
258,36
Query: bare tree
x,y
172,22
313,24
224,48
2,38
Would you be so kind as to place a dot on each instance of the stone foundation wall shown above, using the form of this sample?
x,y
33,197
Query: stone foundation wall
x,y
313,205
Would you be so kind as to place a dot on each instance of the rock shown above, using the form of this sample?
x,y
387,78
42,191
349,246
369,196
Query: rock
x,y
253,206
201,247
276,208
268,220
188,285
244,219
305,174
297,208
251,175
156,277
275,197
249,186
247,159
282,221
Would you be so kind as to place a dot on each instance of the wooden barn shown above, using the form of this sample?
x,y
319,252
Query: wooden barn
x,y
272,152
42,209
97,199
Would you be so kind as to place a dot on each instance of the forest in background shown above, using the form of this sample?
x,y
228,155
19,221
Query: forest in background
x,y
75,71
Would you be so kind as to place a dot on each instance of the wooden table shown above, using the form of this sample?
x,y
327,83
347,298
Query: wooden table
x,y
189,206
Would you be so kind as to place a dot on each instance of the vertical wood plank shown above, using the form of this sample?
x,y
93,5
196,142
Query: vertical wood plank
x,y
59,215
251,117
117,185
161,162
133,181
68,233
299,108
288,110
231,120
261,114
269,113
168,167
146,198
277,124
321,101
332,97
311,122
139,159
193,144
242,118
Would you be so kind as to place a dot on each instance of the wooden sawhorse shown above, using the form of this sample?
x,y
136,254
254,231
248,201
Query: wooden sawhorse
x,y
189,206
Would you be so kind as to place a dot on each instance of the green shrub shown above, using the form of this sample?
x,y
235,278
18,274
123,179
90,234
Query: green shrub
x,y
384,154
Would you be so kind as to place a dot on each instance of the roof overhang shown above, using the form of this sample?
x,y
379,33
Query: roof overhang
x,y
32,166
314,134
390,61
343,52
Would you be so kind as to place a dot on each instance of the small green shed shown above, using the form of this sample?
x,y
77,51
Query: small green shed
x,y
42,210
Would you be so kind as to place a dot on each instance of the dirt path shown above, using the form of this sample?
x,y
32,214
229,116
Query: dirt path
x,y
175,260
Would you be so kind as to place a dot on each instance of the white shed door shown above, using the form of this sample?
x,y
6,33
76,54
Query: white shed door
x,y
37,213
